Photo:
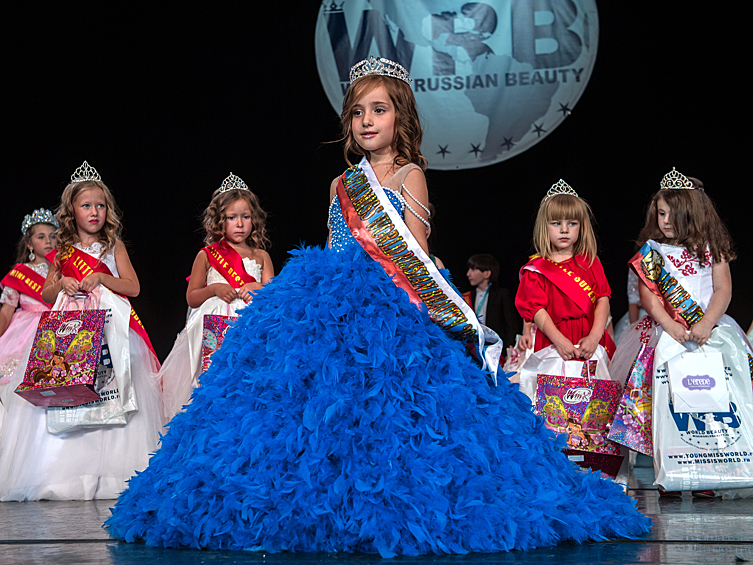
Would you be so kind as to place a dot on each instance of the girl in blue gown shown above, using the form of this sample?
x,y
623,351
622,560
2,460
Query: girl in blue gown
x,y
343,411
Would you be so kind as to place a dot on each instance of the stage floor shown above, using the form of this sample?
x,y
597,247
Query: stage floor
x,y
686,530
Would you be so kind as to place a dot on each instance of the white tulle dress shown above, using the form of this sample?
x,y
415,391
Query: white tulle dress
x,y
88,462
181,370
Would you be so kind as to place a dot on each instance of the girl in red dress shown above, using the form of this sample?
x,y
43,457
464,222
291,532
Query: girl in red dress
x,y
563,289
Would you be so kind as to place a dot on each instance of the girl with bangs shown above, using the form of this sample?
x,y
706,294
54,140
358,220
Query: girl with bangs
x,y
225,275
90,451
563,289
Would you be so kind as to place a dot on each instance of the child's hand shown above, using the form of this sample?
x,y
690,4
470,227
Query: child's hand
x,y
90,282
677,331
225,292
566,349
247,291
701,332
525,342
70,285
587,347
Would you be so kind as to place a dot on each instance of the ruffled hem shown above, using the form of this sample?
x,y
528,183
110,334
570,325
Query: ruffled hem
x,y
338,417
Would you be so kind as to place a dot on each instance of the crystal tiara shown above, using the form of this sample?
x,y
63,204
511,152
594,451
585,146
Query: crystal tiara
x,y
85,172
40,216
379,66
561,187
233,182
675,180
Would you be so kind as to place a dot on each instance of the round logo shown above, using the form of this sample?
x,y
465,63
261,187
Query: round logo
x,y
491,78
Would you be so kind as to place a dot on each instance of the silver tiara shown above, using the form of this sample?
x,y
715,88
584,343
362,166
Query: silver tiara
x,y
379,66
675,180
233,182
85,172
40,216
561,187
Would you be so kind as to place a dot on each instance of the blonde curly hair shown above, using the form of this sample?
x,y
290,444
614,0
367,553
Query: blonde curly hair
x,y
215,215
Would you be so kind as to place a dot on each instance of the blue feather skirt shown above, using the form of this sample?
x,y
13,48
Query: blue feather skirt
x,y
338,417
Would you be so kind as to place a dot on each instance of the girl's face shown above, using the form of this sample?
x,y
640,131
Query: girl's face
x,y
90,210
373,121
42,240
563,234
237,226
664,218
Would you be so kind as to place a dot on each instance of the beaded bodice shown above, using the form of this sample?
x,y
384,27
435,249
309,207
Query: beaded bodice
x,y
95,250
250,265
340,237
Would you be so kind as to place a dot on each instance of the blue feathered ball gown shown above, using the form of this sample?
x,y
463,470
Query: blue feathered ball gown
x,y
338,417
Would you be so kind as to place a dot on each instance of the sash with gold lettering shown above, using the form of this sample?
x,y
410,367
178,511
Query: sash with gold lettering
x,y
380,230
79,264
229,263
26,280
650,265
575,288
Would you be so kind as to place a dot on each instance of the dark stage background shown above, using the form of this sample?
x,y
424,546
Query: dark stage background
x,y
166,101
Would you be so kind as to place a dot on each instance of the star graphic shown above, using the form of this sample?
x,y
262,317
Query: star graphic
x,y
443,150
476,149
539,129
565,109
507,143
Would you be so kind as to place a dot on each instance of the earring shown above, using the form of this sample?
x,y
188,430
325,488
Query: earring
x,y
31,255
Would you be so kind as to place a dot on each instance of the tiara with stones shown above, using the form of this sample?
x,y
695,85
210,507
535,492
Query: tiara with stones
x,y
40,216
379,66
561,187
85,172
233,182
675,180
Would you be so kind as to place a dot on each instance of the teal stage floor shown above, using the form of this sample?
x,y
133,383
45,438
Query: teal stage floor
x,y
686,530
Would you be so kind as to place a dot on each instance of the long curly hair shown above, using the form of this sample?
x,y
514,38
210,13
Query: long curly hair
x,y
22,247
695,221
215,215
565,207
67,233
408,132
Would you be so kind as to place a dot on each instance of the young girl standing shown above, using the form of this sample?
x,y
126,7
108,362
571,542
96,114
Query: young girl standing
x,y
224,277
685,288
21,298
343,412
563,289
41,457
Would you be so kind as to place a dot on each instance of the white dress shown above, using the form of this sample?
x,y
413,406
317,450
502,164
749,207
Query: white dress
x,y
87,463
181,370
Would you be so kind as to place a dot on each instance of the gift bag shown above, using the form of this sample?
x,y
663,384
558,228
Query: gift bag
x,y
711,450
632,423
697,381
62,366
215,328
117,397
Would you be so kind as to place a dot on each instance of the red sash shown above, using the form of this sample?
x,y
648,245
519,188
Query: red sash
x,y
228,263
78,264
575,288
26,280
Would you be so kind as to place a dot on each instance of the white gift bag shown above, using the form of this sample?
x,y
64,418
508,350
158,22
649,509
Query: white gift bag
x,y
704,451
697,381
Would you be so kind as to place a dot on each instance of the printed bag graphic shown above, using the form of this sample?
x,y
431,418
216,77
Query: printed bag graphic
x,y
215,328
632,423
697,382
63,363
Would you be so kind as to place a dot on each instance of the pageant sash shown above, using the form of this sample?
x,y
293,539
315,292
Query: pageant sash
x,y
78,264
229,263
26,280
380,230
649,264
575,288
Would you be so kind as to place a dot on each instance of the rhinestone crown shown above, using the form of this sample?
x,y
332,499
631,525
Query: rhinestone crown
x,y
40,216
233,182
675,180
85,172
561,187
379,66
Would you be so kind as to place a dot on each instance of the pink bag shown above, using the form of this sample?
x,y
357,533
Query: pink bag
x,y
215,328
63,363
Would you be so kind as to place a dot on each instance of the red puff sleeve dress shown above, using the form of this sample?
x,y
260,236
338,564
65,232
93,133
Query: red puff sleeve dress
x,y
536,292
